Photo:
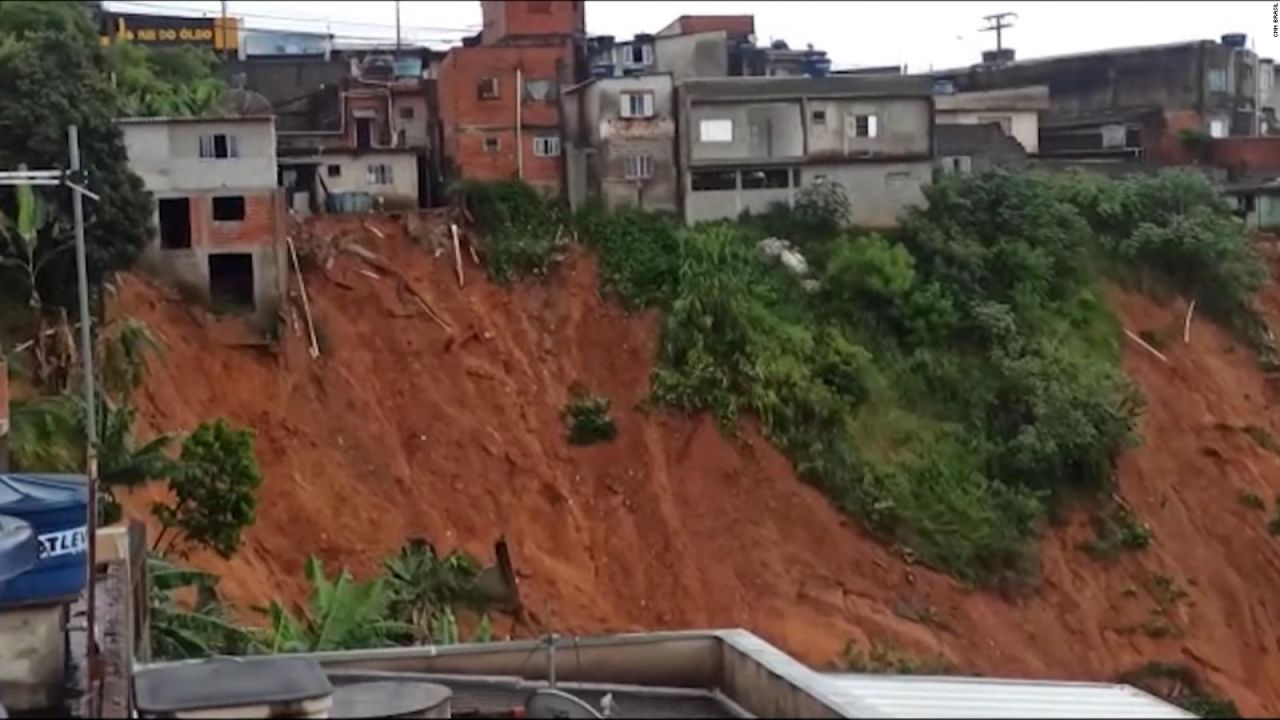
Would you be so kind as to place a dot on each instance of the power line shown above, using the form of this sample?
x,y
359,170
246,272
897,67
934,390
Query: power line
x,y
323,21
996,22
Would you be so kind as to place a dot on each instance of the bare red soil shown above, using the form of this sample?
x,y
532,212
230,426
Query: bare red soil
x,y
400,429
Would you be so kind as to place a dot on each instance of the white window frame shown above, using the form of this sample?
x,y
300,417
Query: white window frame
x,y
715,130
637,167
380,174
628,101
1219,128
546,146
208,147
482,96
628,55
873,125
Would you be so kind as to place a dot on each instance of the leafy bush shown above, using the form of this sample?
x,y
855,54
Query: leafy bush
x,y
1117,532
214,485
201,629
587,417
342,614
639,253
524,232
1251,500
426,588
1180,685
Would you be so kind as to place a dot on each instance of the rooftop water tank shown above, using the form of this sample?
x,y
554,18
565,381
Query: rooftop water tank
x,y
54,506
1235,40
18,547
408,67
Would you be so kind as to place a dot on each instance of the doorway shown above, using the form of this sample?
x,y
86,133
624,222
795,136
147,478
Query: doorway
x,y
231,286
175,223
364,133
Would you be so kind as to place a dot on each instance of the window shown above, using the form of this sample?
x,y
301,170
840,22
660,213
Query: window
x,y
818,117
716,130
539,90
228,207
638,167
406,112
764,179
959,164
231,280
715,180
1266,79
175,223
539,7
863,126
546,145
334,171
380,174
491,144
1217,128
1004,121
1216,79
1113,136
637,104
637,54
218,146
487,88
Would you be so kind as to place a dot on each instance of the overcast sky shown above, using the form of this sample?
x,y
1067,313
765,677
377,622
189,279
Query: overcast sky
x,y
918,34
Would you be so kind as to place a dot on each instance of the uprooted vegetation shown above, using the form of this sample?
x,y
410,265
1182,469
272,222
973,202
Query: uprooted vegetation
x,y
951,383
1181,686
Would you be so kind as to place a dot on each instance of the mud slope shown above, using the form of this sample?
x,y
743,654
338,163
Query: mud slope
x,y
398,431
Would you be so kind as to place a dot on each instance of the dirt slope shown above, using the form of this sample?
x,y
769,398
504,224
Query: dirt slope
x,y
398,430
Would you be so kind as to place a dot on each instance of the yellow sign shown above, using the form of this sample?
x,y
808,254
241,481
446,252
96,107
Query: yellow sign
x,y
169,30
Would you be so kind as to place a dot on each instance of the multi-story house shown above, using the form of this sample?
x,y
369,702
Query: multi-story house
x,y
620,142
745,143
499,99
219,216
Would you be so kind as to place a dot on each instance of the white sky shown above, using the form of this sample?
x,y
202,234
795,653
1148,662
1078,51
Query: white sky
x,y
918,34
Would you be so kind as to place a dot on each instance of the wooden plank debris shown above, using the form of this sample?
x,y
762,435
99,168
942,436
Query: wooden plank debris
x,y
306,302
1145,345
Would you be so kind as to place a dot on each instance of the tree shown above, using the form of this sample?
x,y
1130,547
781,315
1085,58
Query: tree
x,y
20,239
214,485
54,74
342,614
171,82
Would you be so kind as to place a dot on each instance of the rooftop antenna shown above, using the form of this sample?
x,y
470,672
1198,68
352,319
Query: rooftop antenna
x,y
997,23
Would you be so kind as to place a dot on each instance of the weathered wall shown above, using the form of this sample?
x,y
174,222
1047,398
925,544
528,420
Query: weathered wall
x,y
167,155
1246,155
353,174
878,192
903,127
414,128
506,19
1024,125
760,130
612,139
32,657
703,54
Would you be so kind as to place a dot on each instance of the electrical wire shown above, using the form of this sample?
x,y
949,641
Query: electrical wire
x,y
323,21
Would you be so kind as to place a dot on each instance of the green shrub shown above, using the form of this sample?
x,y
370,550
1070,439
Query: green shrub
x,y
639,253
1180,685
524,232
1263,438
1118,531
588,421
1251,500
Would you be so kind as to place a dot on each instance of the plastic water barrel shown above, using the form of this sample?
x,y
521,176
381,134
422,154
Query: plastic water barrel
x,y
54,506
18,548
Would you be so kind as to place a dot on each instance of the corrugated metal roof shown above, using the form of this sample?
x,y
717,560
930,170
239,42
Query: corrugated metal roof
x,y
948,697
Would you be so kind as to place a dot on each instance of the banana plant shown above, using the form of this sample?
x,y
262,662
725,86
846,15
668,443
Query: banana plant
x,y
342,614
426,589
21,239
203,630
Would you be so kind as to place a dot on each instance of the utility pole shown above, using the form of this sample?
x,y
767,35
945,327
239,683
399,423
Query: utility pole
x,y
224,31
397,29
997,23
74,179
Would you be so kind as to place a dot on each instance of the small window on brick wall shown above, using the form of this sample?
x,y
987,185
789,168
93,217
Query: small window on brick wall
x,y
546,146
228,207
334,170
491,145
487,88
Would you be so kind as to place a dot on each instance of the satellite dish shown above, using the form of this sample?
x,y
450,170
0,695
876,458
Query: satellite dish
x,y
552,703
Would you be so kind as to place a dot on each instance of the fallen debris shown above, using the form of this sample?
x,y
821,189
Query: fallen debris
x,y
457,255
1145,345
1186,324
306,302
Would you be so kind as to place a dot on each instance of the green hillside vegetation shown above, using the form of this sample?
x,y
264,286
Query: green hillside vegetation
x,y
950,384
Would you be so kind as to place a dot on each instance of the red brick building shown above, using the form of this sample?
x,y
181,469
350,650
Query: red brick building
x,y
499,100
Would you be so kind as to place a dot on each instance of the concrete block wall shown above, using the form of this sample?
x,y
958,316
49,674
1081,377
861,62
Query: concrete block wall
x,y
32,657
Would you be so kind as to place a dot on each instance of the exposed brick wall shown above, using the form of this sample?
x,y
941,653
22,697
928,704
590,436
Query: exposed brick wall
x,y
1246,155
506,19
262,224
1165,146
467,120
732,24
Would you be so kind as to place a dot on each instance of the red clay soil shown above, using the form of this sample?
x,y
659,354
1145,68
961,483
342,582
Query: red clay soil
x,y
400,430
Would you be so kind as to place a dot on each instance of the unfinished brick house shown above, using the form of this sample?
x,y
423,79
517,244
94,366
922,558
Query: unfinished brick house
x,y
219,216
499,104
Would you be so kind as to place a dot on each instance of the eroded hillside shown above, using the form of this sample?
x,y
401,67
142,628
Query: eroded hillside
x,y
401,428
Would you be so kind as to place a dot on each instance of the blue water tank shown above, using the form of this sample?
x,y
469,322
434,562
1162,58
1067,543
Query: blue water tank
x,y
54,505
18,548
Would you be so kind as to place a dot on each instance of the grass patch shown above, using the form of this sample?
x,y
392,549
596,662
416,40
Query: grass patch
x,y
1180,685
1263,438
887,659
587,419
1251,500
1118,531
